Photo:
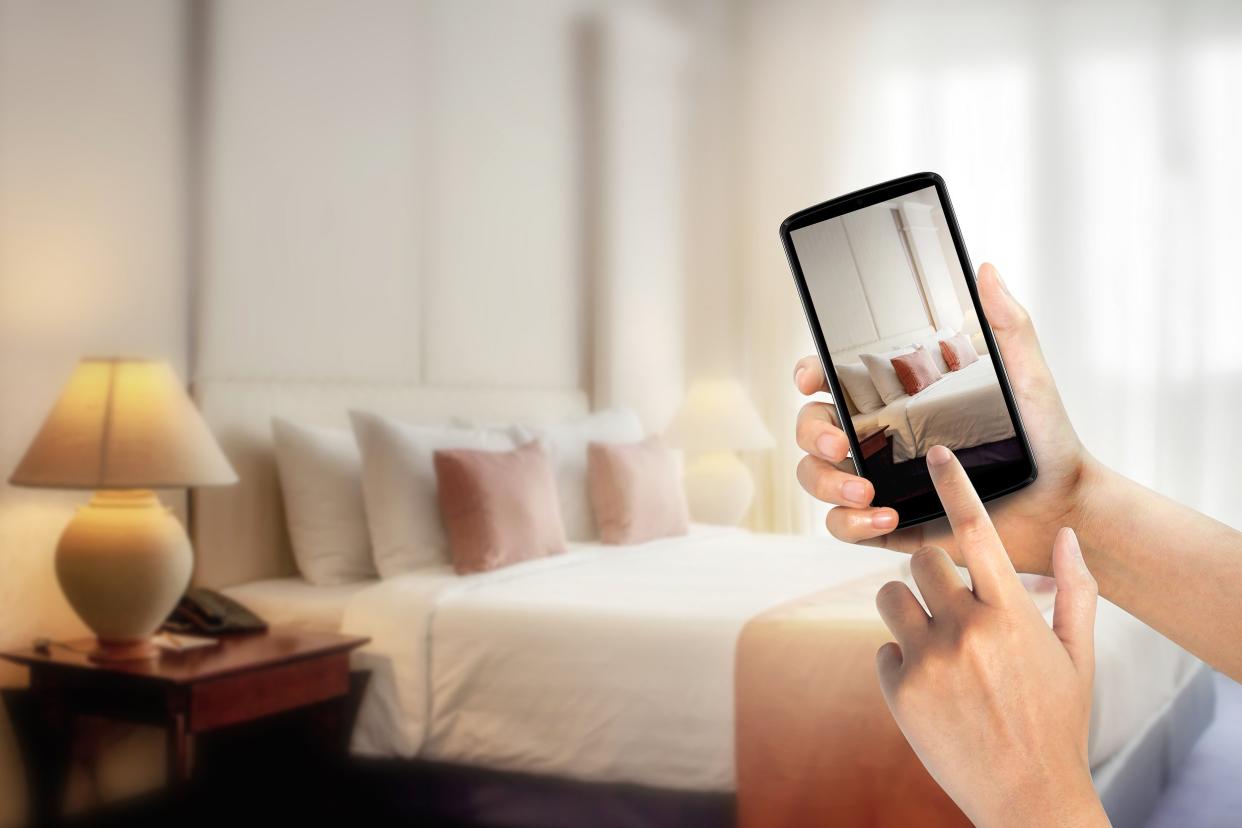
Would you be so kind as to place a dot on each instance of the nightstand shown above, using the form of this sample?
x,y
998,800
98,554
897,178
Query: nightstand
x,y
242,679
873,443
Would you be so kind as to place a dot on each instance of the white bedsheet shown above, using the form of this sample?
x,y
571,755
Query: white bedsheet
x,y
295,602
965,408
616,664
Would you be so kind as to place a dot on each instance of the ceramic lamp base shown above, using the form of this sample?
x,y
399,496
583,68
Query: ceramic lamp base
x,y
123,562
719,488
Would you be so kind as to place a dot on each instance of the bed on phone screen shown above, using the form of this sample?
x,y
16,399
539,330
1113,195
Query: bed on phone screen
x,y
616,685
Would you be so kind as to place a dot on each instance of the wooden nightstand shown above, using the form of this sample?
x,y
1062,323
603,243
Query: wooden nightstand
x,y
873,443
243,679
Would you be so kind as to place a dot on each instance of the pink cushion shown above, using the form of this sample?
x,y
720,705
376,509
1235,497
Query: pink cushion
x,y
499,507
636,491
916,370
958,352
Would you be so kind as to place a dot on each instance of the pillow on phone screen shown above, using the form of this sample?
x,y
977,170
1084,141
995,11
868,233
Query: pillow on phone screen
x,y
883,376
916,371
859,388
932,344
958,352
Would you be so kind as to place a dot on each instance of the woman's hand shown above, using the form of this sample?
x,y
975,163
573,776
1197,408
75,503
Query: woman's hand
x,y
1028,519
996,705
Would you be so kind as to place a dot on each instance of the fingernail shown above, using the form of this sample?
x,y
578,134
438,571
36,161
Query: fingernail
x,y
938,456
798,375
884,520
826,445
854,491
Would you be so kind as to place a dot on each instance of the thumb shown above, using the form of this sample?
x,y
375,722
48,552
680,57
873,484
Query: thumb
x,y
1015,335
1073,616
1010,322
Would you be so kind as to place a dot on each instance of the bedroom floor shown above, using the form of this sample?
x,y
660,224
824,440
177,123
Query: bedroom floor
x,y
1206,792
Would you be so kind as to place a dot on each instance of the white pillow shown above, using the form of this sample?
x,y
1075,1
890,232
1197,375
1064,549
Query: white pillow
x,y
883,375
321,481
858,385
981,344
399,486
931,344
566,445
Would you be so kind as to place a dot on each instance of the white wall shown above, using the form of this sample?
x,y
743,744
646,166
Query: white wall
x,y
638,330
391,193
91,251
862,280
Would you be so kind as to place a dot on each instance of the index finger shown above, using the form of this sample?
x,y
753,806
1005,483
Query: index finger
x,y
991,572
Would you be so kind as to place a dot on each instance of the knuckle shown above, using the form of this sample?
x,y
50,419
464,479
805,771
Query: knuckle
x,y
925,557
970,639
836,523
813,417
825,488
816,478
974,528
890,593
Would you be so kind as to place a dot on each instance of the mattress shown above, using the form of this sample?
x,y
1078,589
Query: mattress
x,y
963,409
615,664
294,602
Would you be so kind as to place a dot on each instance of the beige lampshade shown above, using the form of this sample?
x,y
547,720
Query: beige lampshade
x,y
717,415
123,424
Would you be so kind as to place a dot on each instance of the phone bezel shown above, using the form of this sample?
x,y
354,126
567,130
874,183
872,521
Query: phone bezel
x,y
861,199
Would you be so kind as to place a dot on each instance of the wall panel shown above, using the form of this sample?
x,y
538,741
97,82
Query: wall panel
x,y
502,221
310,237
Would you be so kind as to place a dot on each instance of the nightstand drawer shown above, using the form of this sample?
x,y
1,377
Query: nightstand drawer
x,y
248,696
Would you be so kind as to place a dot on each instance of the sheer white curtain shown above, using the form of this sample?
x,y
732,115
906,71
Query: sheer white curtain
x,y
1093,154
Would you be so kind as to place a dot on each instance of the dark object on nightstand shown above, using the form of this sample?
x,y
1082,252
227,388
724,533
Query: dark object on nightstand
x,y
244,679
203,611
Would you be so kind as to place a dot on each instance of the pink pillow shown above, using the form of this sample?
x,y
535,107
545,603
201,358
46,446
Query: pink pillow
x,y
499,507
636,491
958,352
916,370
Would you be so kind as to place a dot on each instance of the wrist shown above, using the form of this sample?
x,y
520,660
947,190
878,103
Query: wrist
x,y
1090,480
1099,506
1071,802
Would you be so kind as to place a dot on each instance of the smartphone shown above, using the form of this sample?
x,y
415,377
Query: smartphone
x,y
911,362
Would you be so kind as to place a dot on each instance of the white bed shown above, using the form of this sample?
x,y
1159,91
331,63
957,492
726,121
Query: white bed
x,y
606,663
962,409
616,664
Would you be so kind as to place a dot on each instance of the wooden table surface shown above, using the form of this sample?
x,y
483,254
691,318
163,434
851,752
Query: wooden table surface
x,y
234,654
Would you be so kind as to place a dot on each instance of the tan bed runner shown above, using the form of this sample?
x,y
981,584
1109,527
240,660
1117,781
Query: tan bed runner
x,y
816,744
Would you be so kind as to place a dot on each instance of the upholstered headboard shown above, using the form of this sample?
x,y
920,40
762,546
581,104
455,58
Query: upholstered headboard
x,y
239,531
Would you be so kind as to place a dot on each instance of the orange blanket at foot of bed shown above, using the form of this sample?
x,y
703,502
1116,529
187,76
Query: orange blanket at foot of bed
x,y
816,744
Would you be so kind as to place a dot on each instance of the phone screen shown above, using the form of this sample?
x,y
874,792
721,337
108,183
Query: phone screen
x,y
891,300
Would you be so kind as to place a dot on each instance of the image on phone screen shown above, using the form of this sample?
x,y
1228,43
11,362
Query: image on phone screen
x,y
895,315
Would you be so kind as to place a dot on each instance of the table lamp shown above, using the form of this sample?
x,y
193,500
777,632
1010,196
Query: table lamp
x,y
123,427
715,421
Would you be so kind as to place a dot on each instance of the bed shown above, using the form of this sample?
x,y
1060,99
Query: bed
x,y
606,666
962,410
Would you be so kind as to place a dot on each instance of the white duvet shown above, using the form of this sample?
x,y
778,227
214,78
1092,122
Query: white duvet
x,y
962,409
616,663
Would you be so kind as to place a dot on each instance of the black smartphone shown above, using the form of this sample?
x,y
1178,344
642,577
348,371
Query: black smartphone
x,y
890,296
